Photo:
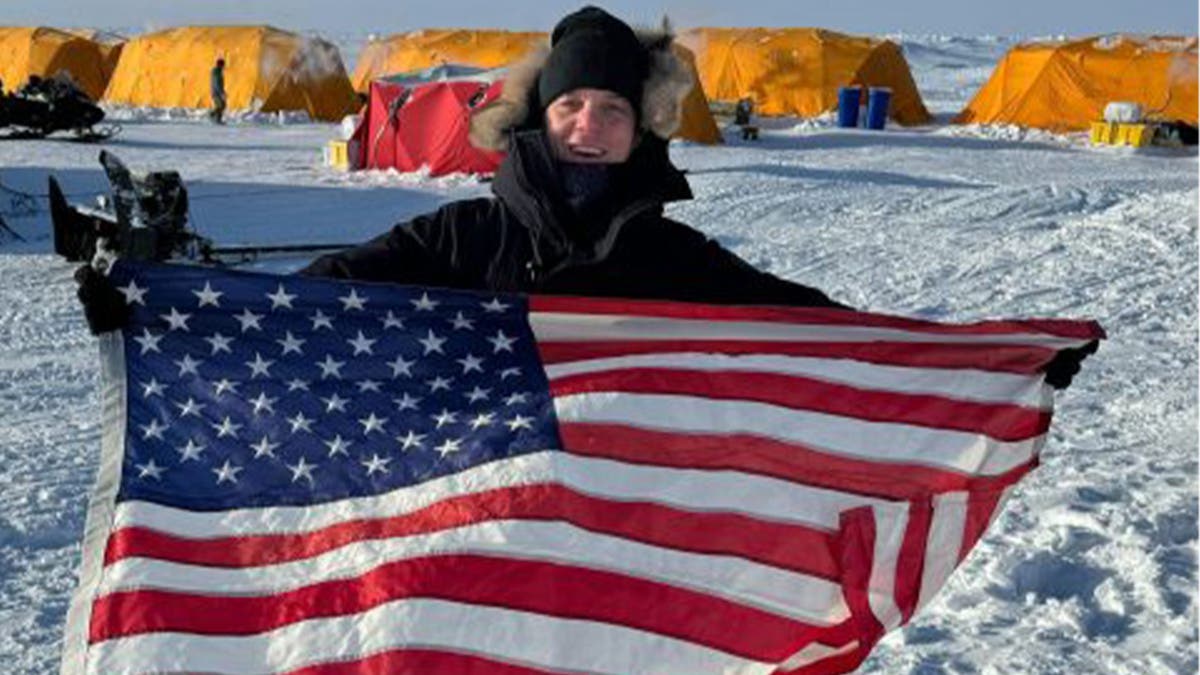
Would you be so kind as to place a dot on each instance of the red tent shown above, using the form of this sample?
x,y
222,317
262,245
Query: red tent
x,y
407,126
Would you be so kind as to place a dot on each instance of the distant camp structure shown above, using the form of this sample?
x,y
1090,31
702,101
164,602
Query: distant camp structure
x,y
1065,85
267,70
797,71
45,52
408,53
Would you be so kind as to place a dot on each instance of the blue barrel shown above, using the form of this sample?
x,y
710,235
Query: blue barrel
x,y
849,98
878,99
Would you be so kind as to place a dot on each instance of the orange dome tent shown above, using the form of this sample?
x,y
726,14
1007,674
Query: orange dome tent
x,y
488,49
797,71
417,50
110,45
266,69
1064,86
26,51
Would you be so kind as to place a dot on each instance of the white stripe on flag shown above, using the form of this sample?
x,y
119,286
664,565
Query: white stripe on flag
x,y
809,599
964,384
884,442
693,490
815,652
943,544
571,327
502,634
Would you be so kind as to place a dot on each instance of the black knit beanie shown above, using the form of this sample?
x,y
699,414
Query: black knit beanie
x,y
594,49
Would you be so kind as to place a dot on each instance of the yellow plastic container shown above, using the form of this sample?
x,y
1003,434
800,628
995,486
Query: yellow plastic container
x,y
1136,135
1104,133
337,155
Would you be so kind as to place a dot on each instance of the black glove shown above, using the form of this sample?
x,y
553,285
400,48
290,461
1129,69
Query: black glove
x,y
103,305
1063,367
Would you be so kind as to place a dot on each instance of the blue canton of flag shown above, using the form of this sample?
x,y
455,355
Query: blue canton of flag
x,y
252,390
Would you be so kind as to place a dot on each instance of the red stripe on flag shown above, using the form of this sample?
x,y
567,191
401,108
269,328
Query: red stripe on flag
x,y
856,552
546,588
1084,330
910,563
980,507
787,546
418,662
777,459
1005,422
996,358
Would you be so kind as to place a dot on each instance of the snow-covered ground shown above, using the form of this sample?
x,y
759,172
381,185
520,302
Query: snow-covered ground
x,y
1090,569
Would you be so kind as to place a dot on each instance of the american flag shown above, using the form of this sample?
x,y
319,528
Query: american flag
x,y
310,476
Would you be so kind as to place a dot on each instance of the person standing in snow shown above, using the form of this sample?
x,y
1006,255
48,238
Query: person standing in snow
x,y
216,86
578,200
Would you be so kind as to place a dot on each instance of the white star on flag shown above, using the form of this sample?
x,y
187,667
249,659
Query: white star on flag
x,y
152,388
471,362
406,402
227,472
376,464
361,343
352,301
501,342
410,440
302,470
249,320
433,343
133,294
372,423
188,365
223,385
259,366
290,343
335,402
189,407
424,304
300,423
331,367
264,448
520,422
320,320
337,446
451,446
153,430
190,451
148,341
495,305
400,366
263,402
207,296
219,343
227,428
150,469
281,298
460,322
392,321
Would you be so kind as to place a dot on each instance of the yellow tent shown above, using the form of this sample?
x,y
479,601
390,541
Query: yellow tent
x,y
266,69
110,45
797,71
418,50
1063,86
26,51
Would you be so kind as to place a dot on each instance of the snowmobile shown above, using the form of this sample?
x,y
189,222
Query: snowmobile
x,y
46,106
145,218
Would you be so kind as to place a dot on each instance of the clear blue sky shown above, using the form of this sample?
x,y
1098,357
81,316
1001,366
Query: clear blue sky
x,y
997,17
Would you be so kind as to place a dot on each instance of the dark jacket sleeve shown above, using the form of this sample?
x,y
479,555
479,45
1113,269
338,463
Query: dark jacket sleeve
x,y
719,276
425,250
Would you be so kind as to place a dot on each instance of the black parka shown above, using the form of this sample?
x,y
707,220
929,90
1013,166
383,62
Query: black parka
x,y
526,239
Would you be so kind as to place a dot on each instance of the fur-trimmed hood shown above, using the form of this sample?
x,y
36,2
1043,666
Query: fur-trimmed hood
x,y
666,86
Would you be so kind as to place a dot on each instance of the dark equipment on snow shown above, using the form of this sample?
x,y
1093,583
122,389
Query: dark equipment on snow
x,y
145,218
45,106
